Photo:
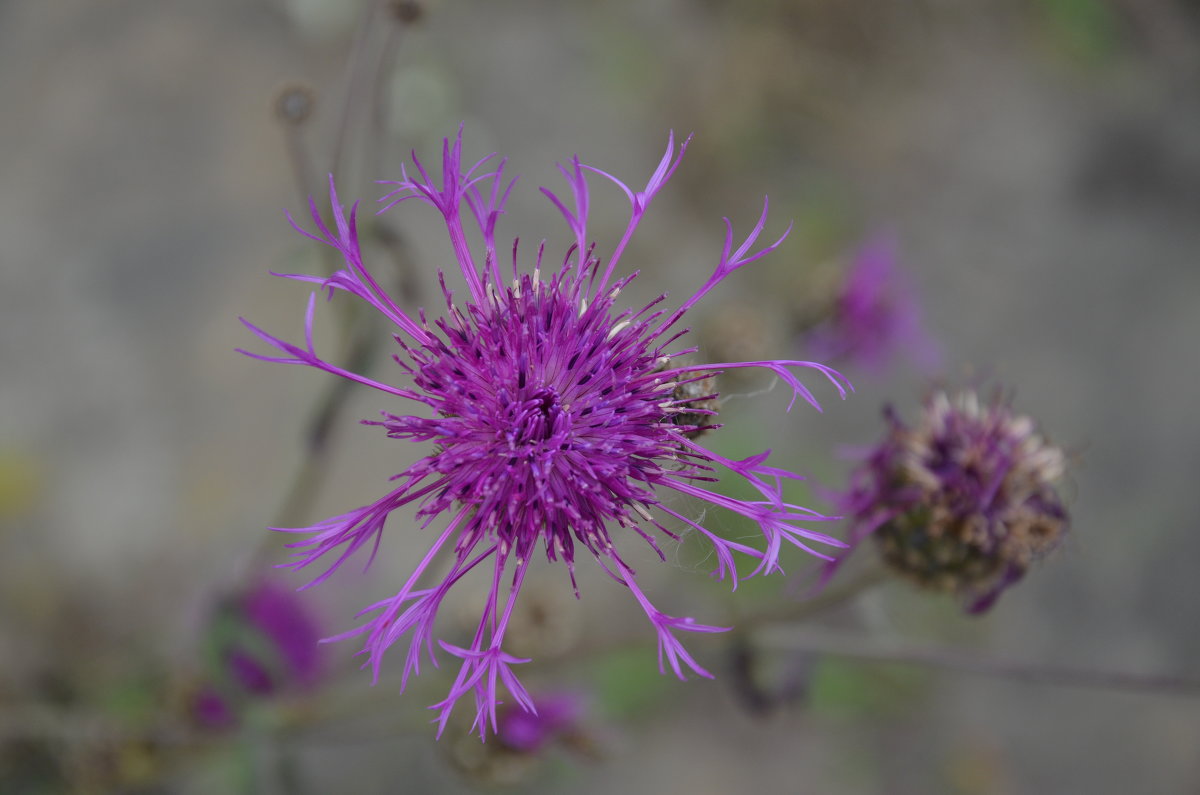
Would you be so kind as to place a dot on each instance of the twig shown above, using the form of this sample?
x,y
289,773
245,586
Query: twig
x,y
965,662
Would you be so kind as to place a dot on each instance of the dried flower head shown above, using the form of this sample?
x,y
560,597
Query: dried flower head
x,y
554,419
965,501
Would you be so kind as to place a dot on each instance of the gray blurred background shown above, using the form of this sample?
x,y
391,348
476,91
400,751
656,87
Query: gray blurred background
x,y
1038,162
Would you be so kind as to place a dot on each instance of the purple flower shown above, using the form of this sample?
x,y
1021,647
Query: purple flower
x,y
553,419
528,732
259,642
525,740
210,709
964,502
874,315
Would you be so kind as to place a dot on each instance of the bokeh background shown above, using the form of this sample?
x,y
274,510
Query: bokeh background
x,y
1037,162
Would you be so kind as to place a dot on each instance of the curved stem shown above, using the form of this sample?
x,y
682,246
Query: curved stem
x,y
827,599
1036,673
789,611
362,335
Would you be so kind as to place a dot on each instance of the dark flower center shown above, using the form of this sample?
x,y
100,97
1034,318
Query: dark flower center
x,y
539,417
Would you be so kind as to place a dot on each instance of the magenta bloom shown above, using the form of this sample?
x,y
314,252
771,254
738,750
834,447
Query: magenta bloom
x,y
554,419
259,643
557,714
875,315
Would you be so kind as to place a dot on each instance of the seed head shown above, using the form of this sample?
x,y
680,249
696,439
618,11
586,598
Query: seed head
x,y
963,502
294,104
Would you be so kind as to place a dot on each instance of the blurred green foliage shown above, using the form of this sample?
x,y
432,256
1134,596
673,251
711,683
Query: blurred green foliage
x,y
1086,32
865,690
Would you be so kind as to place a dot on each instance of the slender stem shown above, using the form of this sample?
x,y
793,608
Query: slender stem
x,y
788,611
965,662
789,639
299,160
361,332
408,283
76,727
355,71
319,435
833,596
385,65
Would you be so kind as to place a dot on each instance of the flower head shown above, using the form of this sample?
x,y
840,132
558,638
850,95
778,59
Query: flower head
x,y
528,732
259,642
963,502
873,315
526,740
555,420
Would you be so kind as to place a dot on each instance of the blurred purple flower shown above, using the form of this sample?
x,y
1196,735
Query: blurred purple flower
x,y
552,414
259,643
875,316
212,710
963,502
557,714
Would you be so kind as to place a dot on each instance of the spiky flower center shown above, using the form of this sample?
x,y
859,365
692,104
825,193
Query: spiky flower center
x,y
551,416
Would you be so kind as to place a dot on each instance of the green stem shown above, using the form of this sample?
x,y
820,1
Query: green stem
x,y
964,662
